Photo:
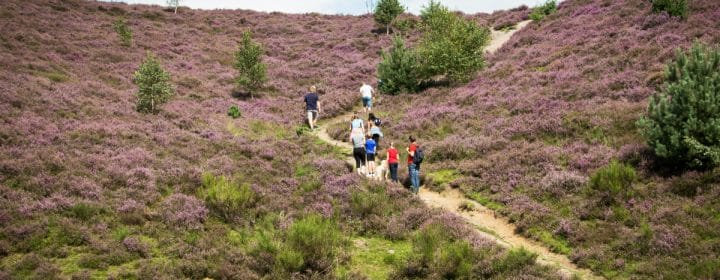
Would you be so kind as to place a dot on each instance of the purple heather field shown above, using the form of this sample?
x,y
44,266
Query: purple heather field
x,y
90,188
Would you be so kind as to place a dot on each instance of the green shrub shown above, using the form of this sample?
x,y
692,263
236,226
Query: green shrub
x,y
451,46
678,8
386,11
123,30
154,88
436,254
398,69
318,240
365,203
234,112
613,181
248,63
229,197
540,12
682,125
515,259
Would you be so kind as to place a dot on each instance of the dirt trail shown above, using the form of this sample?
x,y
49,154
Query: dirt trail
x,y
487,223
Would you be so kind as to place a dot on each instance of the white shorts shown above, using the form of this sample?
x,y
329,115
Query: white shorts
x,y
312,114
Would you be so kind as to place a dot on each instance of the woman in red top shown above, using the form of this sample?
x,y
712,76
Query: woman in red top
x,y
393,157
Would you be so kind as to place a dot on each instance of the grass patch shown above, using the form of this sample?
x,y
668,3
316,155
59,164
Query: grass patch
x,y
556,244
441,178
485,201
375,257
259,130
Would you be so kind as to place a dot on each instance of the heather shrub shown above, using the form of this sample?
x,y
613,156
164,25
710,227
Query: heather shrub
x,y
248,62
228,197
682,124
613,181
386,11
540,12
366,203
317,240
678,8
437,255
123,30
183,211
234,112
451,46
154,88
398,69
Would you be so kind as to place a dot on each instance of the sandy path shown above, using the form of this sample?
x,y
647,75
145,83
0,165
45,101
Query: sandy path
x,y
485,220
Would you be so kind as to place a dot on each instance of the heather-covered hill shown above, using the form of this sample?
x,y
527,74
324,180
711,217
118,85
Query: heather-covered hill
x,y
90,188
555,104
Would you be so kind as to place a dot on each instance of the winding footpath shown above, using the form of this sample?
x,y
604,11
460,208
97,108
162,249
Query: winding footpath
x,y
484,220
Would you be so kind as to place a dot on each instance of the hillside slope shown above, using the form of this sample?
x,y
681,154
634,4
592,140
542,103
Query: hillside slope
x,y
91,189
555,104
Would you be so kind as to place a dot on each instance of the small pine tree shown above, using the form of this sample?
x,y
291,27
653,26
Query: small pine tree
x,y
540,12
386,11
677,8
451,46
123,30
682,125
398,69
153,83
248,62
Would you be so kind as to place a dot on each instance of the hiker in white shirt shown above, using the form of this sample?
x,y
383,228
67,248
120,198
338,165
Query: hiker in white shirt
x,y
366,92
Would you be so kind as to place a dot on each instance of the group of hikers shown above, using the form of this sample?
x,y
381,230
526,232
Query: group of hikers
x,y
365,138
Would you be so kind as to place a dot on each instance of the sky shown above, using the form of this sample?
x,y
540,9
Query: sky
x,y
350,7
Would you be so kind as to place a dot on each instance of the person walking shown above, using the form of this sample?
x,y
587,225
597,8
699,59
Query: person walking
x,y
393,158
357,138
366,92
375,133
370,148
357,123
413,168
312,107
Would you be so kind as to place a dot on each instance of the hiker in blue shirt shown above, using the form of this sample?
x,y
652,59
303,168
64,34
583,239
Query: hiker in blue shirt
x,y
370,148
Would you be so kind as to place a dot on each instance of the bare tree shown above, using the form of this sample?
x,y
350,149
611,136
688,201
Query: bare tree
x,y
174,4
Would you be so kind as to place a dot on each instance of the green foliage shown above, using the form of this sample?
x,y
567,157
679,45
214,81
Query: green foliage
x,y
153,83
451,46
556,244
386,11
678,8
405,24
613,181
174,4
317,240
436,254
540,12
234,112
229,197
443,177
366,203
398,69
515,259
248,63
123,30
682,125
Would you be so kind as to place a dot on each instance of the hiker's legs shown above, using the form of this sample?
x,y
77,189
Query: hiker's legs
x,y
312,118
359,157
414,178
363,159
393,172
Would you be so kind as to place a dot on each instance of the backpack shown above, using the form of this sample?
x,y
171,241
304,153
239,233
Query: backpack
x,y
419,155
377,122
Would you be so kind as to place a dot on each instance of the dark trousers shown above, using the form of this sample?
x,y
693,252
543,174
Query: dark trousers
x,y
393,172
359,155
376,138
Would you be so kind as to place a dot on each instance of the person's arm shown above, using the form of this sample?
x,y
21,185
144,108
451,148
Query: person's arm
x,y
319,108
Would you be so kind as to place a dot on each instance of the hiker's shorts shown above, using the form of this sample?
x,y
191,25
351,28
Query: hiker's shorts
x,y
367,102
312,114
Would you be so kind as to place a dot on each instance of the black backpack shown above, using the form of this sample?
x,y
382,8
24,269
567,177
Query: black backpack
x,y
377,122
419,155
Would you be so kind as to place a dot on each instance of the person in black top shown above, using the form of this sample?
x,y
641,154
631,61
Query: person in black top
x,y
312,106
